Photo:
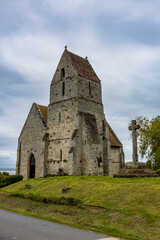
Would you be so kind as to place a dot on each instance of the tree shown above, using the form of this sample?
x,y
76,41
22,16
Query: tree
x,y
149,140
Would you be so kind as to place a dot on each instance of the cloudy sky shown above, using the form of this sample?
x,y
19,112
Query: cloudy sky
x,y
120,38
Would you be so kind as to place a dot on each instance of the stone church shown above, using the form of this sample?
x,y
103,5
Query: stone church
x,y
70,136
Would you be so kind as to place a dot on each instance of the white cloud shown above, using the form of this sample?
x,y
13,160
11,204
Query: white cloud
x,y
30,54
7,158
68,6
122,69
22,9
36,56
133,10
124,10
6,130
15,110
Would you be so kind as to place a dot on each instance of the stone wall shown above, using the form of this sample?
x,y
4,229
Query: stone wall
x,y
68,82
117,157
31,143
89,90
92,153
62,122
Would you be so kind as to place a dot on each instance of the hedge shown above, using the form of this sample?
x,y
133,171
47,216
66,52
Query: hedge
x,y
7,180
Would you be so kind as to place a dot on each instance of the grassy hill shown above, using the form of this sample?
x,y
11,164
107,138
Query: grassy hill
x,y
128,208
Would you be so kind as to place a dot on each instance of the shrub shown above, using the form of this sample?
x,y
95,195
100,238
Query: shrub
x,y
7,180
149,164
158,171
5,173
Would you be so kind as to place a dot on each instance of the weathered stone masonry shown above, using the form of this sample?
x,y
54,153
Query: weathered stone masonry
x,y
71,135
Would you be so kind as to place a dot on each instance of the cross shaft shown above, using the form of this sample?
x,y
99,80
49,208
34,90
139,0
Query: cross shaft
x,y
133,128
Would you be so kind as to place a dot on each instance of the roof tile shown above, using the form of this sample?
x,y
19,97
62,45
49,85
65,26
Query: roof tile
x,y
43,110
115,142
83,67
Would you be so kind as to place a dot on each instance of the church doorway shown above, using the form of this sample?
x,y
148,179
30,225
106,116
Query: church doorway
x,y
32,166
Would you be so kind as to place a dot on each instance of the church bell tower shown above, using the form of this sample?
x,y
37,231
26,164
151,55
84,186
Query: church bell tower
x,y
75,119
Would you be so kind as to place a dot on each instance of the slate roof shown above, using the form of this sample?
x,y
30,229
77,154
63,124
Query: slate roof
x,y
115,142
83,67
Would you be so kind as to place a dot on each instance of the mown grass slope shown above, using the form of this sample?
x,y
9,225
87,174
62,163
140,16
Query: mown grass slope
x,y
131,206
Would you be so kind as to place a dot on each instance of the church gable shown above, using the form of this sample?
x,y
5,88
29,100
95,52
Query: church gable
x,y
36,114
63,85
71,64
30,142
65,68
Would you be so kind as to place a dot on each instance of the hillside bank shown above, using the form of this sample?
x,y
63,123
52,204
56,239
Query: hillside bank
x,y
128,208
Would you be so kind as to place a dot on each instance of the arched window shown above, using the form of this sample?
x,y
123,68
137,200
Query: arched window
x,y
32,166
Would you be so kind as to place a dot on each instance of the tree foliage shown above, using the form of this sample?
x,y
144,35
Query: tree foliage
x,y
149,140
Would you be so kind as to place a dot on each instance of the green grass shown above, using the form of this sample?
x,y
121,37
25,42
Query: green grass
x,y
130,207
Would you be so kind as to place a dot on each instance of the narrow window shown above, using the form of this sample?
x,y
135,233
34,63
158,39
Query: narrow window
x,y
59,117
63,88
60,155
62,73
103,125
89,88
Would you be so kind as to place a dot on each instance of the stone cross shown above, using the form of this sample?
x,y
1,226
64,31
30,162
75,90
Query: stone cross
x,y
134,126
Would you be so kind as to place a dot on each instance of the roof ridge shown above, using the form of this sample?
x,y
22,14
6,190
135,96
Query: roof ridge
x,y
42,105
77,55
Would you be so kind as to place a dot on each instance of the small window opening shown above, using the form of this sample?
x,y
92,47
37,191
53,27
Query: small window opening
x,y
103,125
89,88
59,117
63,88
60,155
62,72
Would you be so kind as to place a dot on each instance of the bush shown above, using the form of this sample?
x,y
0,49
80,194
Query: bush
x,y
149,164
4,174
7,180
158,171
